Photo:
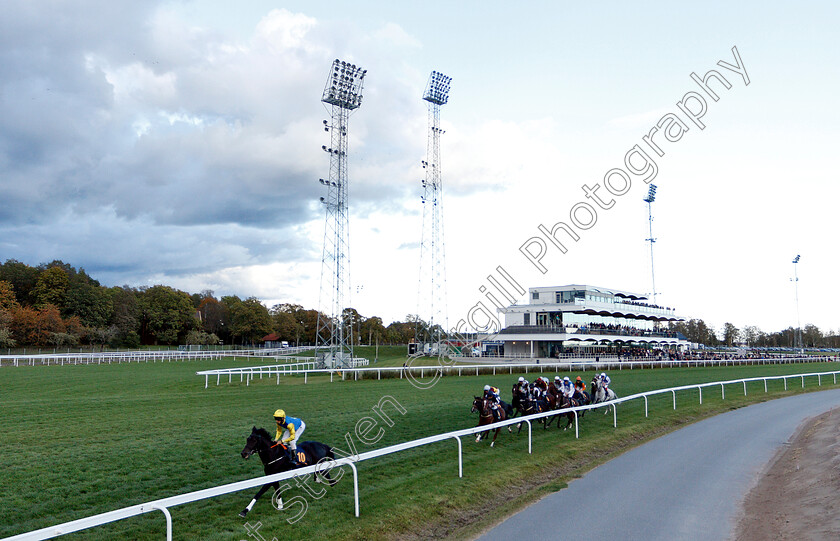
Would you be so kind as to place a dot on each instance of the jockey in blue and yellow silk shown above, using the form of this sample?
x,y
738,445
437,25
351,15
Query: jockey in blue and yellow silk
x,y
289,430
492,394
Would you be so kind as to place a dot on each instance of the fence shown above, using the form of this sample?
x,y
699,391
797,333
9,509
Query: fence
x,y
248,373
140,355
164,504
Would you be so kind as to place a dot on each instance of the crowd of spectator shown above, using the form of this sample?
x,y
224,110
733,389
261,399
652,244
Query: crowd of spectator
x,y
627,330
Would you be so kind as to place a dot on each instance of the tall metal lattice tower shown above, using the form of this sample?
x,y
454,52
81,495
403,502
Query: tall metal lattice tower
x,y
343,94
432,297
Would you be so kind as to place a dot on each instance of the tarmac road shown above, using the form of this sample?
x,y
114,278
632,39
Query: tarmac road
x,y
687,485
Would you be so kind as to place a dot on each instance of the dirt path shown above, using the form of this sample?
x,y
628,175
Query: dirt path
x,y
798,495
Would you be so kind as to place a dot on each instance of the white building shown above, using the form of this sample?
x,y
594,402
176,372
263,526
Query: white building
x,y
567,318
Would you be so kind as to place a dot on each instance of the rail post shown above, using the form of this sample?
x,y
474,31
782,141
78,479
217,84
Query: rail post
x,y
701,393
745,387
674,394
168,520
355,486
615,416
460,457
529,435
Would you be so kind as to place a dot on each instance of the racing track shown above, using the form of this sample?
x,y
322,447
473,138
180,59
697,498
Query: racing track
x,y
686,485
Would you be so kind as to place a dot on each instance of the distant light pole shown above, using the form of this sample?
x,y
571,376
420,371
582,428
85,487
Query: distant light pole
x,y
798,334
651,197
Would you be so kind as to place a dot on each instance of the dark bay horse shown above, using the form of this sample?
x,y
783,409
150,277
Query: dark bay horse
x,y
275,459
556,401
485,417
523,404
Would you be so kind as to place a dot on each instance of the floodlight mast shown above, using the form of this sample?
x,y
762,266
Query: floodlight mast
x,y
432,287
651,197
334,342
797,339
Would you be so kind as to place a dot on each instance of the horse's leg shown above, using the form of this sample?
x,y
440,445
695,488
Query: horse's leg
x,y
260,492
494,437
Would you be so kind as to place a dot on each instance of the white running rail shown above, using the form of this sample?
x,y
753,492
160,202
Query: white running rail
x,y
118,357
247,374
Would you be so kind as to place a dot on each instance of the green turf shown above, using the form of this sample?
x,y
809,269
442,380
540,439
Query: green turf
x,y
81,440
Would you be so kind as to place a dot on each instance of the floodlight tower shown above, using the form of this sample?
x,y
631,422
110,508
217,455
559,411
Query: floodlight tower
x,y
343,94
432,297
651,197
798,336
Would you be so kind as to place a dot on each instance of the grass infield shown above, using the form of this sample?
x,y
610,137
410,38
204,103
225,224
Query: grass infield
x,y
82,440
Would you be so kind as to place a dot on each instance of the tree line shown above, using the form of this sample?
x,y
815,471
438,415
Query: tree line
x,y
696,330
56,305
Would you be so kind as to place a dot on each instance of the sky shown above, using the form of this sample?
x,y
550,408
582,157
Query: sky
x,y
178,143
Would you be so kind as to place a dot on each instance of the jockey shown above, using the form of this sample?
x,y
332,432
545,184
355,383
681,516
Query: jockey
x,y
522,386
566,387
540,388
558,385
492,394
580,387
605,382
289,430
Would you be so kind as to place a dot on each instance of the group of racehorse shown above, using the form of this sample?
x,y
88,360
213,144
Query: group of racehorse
x,y
275,455
528,402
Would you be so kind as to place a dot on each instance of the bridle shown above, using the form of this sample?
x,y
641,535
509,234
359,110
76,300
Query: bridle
x,y
261,443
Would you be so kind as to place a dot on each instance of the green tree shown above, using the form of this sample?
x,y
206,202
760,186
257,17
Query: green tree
x,y
200,338
125,316
51,288
249,319
166,315
730,334
751,335
696,330
6,340
214,315
22,277
812,337
90,303
8,301
372,330
287,321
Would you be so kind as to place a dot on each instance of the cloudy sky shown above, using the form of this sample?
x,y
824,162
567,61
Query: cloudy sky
x,y
179,143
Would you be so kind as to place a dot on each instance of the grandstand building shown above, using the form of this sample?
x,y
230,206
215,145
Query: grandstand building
x,y
577,318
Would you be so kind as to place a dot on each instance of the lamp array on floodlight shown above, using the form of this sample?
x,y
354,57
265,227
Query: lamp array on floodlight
x,y
437,91
651,196
344,85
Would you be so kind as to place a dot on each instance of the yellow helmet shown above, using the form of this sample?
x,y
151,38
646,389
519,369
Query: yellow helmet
x,y
280,413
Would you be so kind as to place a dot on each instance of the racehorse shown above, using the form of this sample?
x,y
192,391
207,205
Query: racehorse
x,y
599,395
523,404
558,400
485,417
275,459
